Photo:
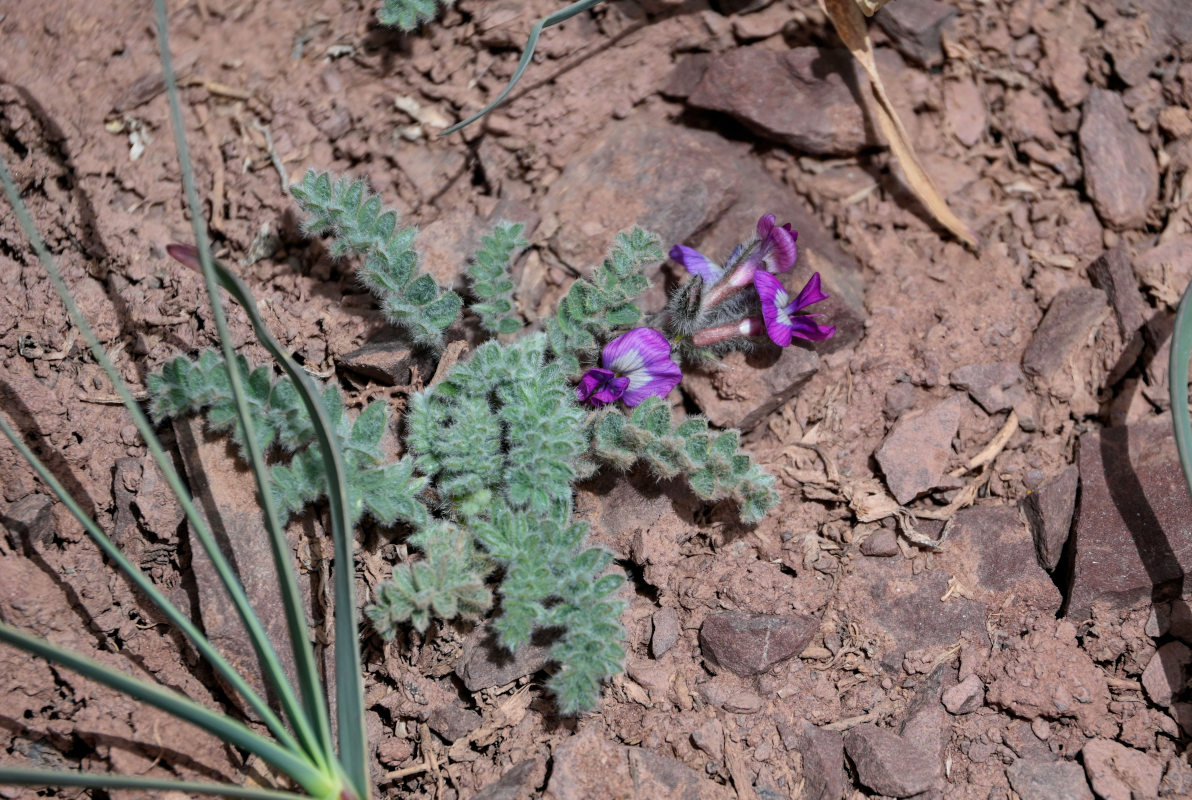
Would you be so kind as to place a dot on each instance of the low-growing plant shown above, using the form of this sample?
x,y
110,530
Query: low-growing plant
x,y
493,452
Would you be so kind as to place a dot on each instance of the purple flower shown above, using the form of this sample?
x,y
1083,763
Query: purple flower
x,y
778,251
781,315
697,263
636,365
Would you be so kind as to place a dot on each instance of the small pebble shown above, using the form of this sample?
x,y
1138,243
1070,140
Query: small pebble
x,y
1041,728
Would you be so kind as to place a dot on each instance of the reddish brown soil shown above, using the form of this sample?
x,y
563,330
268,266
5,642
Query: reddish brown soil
x,y
278,87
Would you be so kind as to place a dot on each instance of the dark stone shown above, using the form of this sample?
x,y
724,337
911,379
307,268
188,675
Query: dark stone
x,y
1121,175
882,543
889,764
1113,273
1133,527
749,644
1048,780
995,386
484,664
822,751
807,98
387,360
1064,330
742,390
631,175
31,519
518,783
1049,512
452,722
687,74
997,540
917,449
666,631
915,27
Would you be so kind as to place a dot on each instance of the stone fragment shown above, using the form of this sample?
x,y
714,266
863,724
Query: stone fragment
x,y
709,737
994,558
1070,319
686,75
631,175
1113,273
387,360
453,722
1117,772
1167,673
889,764
965,110
916,450
840,272
1121,175
30,522
822,751
666,631
806,97
749,644
882,543
1165,269
995,386
914,27
728,694
1048,780
1049,511
742,390
965,697
1133,527
1177,778
587,765
484,663
519,782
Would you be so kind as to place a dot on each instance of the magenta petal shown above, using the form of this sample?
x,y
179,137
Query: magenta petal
x,y
774,301
643,357
805,328
697,263
809,294
600,387
764,225
780,251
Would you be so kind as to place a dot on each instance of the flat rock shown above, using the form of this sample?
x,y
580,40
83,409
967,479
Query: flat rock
x,y
805,97
1121,175
822,751
995,386
965,111
1049,511
1112,273
749,644
881,543
631,175
520,782
915,28
1133,526
1167,673
587,766
742,390
665,623
31,519
1038,779
1070,319
388,360
484,663
819,250
890,764
916,450
453,722
991,552
965,697
1117,772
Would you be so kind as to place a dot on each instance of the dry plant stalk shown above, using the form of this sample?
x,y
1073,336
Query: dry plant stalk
x,y
847,18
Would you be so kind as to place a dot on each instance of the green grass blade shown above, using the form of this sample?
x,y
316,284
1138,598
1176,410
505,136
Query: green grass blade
x,y
1177,380
304,772
260,642
524,64
312,715
349,683
22,776
179,620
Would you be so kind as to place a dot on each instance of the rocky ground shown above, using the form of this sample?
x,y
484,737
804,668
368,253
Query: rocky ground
x,y
973,587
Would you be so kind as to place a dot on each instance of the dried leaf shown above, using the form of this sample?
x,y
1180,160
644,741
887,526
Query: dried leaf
x,y
850,24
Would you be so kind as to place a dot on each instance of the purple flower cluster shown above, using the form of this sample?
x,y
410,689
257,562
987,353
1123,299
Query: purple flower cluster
x,y
635,366
774,252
